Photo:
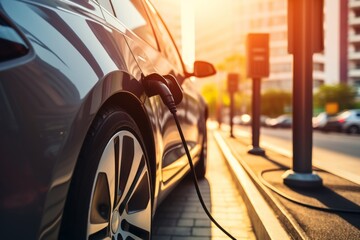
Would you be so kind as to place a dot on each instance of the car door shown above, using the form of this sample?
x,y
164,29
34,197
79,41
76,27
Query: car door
x,y
189,111
133,20
152,57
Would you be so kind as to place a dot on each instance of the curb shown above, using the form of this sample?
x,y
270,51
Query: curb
x,y
266,223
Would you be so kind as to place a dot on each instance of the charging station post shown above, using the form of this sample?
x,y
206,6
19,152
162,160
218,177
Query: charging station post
x,y
232,86
257,68
305,37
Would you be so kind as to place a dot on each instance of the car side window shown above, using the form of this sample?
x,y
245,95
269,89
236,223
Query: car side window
x,y
133,15
167,44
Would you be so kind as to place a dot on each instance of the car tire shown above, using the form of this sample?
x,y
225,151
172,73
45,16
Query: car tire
x,y
200,168
110,194
353,129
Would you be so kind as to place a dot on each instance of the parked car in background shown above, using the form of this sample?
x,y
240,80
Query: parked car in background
x,y
244,119
320,121
263,120
88,149
347,121
283,121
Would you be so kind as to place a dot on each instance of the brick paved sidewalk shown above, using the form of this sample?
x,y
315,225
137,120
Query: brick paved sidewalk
x,y
180,217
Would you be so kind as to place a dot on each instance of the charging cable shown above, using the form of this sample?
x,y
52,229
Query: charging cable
x,y
294,200
159,87
195,179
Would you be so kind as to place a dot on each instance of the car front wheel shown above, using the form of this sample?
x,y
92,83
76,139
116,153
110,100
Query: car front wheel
x,y
111,190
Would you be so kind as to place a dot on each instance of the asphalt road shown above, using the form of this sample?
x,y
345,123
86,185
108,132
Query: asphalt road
x,y
337,153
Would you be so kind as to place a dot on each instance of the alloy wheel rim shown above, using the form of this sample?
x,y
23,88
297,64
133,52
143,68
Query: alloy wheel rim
x,y
120,206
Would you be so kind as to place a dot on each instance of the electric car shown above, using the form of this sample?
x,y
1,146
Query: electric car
x,y
88,147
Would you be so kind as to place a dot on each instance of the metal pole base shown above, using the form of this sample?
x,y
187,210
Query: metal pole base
x,y
302,180
257,151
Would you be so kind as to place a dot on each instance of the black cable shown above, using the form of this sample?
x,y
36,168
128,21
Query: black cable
x,y
291,199
154,85
195,178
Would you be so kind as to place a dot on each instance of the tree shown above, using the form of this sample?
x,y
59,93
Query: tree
x,y
275,102
216,96
233,63
211,93
342,94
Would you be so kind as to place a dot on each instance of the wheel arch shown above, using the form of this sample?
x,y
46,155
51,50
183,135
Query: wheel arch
x,y
131,104
134,102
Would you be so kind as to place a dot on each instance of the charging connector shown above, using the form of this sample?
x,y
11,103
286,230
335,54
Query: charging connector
x,y
164,93
166,87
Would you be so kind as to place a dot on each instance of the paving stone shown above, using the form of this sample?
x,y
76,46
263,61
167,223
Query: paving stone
x,y
202,223
203,231
158,237
185,222
181,217
177,231
192,238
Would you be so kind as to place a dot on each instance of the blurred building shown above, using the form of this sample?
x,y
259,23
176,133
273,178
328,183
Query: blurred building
x,y
179,17
213,26
217,35
270,16
213,34
221,27
352,8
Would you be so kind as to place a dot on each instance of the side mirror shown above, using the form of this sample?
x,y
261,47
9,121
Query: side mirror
x,y
203,69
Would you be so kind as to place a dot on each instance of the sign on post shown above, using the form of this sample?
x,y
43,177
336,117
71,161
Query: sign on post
x,y
317,29
257,55
257,68
232,82
332,108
